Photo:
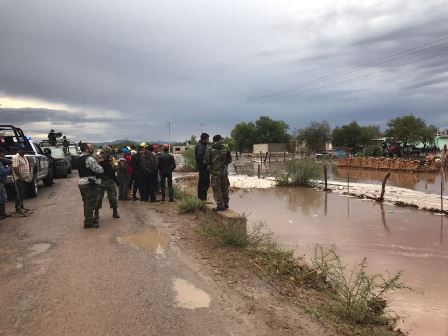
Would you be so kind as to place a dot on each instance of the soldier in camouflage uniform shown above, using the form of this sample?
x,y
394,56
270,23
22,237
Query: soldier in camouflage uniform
x,y
108,184
217,157
90,173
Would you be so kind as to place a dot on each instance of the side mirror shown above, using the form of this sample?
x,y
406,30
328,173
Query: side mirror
x,y
47,151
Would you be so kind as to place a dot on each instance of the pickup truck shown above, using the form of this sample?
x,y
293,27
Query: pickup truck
x,y
40,163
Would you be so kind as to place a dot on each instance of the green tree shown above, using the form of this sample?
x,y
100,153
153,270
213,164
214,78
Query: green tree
x,y
244,135
192,141
315,135
429,135
407,129
271,131
264,130
354,136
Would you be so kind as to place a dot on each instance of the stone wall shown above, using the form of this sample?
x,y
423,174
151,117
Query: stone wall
x,y
383,163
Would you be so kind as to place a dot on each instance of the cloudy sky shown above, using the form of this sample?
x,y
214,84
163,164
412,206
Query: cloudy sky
x,y
108,69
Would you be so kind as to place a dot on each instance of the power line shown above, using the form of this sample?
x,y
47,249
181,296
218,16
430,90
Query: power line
x,y
395,56
349,79
294,90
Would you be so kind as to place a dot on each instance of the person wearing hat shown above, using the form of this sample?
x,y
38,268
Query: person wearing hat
x,y
22,175
217,157
167,164
137,172
204,173
108,184
90,173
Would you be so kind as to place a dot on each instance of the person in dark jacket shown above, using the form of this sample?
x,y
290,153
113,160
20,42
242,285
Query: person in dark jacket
x,y
4,172
123,179
108,184
204,173
137,172
149,166
167,164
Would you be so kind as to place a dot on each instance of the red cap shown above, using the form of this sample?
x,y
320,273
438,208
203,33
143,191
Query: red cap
x,y
165,146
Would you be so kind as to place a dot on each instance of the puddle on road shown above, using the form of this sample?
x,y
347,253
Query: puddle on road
x,y
38,249
147,240
188,296
391,238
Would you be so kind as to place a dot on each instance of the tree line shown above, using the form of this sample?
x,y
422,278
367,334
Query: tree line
x,y
409,130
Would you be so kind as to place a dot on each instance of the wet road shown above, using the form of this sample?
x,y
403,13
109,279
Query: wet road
x,y
130,277
391,238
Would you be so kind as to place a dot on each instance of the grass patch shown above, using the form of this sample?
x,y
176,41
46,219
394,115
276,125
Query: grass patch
x,y
191,204
299,173
225,234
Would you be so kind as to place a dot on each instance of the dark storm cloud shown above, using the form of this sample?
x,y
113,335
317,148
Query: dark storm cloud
x,y
133,67
57,117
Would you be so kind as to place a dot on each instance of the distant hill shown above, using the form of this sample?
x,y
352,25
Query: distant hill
x,y
130,142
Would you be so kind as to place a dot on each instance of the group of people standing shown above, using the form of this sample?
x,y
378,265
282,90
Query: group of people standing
x,y
142,171
212,162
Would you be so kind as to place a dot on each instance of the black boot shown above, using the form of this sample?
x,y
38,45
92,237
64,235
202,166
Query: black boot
x,y
96,216
2,212
115,213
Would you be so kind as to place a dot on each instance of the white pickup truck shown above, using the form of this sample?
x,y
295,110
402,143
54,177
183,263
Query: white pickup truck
x,y
40,162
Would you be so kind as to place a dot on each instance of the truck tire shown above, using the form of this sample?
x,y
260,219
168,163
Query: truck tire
x,y
33,186
65,174
48,180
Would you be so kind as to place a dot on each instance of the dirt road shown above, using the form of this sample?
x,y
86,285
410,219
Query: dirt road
x,y
132,276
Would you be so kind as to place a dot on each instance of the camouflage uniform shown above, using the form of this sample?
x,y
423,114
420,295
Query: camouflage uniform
x,y
108,182
217,157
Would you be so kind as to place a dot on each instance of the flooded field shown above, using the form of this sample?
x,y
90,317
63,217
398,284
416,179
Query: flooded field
x,y
391,238
425,182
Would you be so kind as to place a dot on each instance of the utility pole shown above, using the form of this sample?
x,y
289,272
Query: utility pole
x,y
169,137
202,126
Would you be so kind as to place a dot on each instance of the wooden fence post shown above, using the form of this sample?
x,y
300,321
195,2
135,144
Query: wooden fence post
x,y
383,188
325,177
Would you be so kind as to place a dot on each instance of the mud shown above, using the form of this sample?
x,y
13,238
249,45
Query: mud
x,y
188,296
147,240
39,248
391,238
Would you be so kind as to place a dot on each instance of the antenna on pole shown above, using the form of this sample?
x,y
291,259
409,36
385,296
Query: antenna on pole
x,y
202,126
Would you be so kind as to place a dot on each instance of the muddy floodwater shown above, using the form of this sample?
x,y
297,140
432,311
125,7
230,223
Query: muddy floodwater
x,y
425,182
392,239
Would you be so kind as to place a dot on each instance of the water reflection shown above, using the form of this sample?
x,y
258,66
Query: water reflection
x,y
383,217
391,238
308,201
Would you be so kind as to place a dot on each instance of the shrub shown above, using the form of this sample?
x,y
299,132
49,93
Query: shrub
x,y
189,157
374,151
191,204
299,173
361,296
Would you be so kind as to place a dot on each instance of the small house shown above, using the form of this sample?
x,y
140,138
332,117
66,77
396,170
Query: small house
x,y
270,148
